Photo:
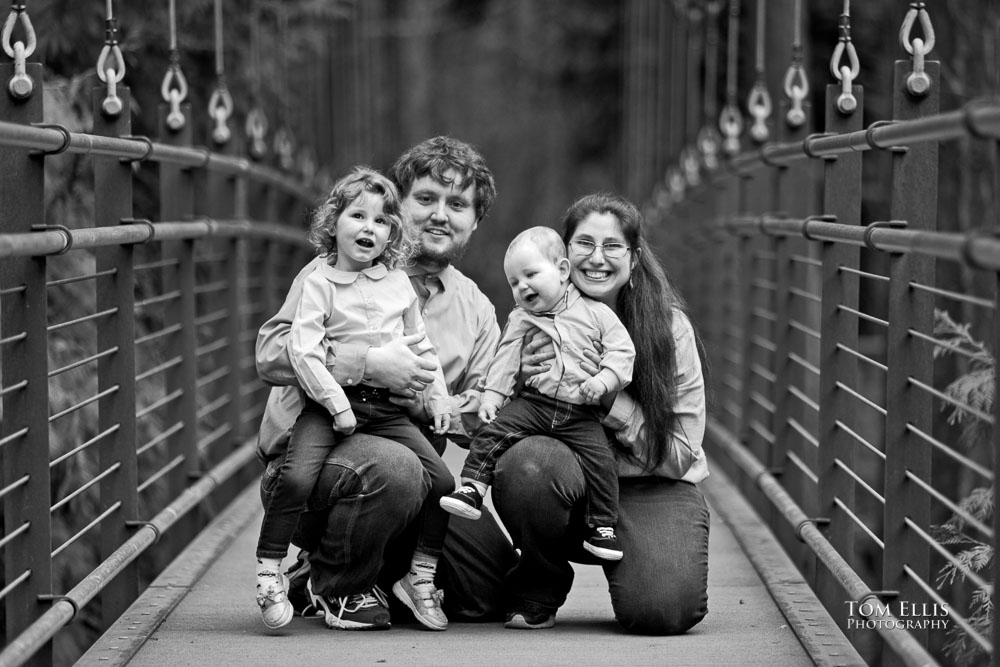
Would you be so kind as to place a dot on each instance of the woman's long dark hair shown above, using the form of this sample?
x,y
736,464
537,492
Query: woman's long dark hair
x,y
646,306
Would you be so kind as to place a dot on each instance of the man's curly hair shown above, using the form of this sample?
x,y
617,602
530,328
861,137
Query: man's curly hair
x,y
361,179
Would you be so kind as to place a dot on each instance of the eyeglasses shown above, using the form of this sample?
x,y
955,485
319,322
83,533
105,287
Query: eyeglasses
x,y
587,248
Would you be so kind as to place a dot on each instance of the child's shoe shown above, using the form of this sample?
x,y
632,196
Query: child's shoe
x,y
275,609
424,600
602,543
466,502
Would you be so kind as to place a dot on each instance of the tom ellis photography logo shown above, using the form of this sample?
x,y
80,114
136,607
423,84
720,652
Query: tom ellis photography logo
x,y
908,616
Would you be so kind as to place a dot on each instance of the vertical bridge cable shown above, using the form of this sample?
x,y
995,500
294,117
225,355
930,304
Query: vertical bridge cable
x,y
690,160
256,122
759,100
846,103
220,104
796,81
730,120
284,146
112,104
917,81
708,136
20,85
174,88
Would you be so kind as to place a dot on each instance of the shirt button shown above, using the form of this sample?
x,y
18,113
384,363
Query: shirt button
x,y
349,381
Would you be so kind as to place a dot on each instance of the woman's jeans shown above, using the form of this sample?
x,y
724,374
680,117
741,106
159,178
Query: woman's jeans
x,y
313,439
661,585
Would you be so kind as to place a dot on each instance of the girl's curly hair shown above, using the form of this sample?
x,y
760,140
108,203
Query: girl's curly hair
x,y
361,179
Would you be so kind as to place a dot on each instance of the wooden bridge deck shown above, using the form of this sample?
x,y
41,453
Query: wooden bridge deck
x,y
201,612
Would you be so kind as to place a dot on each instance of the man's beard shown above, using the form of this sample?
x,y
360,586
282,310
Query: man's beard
x,y
438,260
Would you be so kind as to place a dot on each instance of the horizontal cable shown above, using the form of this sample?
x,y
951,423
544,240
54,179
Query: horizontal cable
x,y
801,465
83,404
953,507
801,395
764,285
155,477
79,279
79,448
947,555
950,451
159,403
214,376
863,316
158,438
861,357
17,289
763,343
733,356
762,431
157,264
166,331
862,274
155,370
764,314
14,485
209,288
859,523
160,298
806,435
954,296
212,437
942,344
953,615
83,531
761,400
215,346
14,387
864,399
802,294
84,487
82,320
7,439
9,537
795,324
861,441
763,373
859,481
5,591
214,406
83,362
803,259
951,401
14,338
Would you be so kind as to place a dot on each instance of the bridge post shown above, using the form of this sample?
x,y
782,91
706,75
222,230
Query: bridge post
x,y
177,190
914,199
838,369
24,428
115,288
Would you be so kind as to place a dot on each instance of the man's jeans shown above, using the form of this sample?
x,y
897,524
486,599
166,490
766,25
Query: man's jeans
x,y
369,490
660,586
313,439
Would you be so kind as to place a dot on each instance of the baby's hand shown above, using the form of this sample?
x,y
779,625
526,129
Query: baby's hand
x,y
592,390
488,412
345,422
441,423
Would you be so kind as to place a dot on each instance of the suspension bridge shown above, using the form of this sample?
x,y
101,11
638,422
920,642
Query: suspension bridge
x,y
849,324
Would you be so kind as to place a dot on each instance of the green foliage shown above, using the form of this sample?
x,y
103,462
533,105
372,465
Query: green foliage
x,y
973,388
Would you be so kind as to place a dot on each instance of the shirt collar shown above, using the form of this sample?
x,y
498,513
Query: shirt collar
x,y
445,276
376,271
571,296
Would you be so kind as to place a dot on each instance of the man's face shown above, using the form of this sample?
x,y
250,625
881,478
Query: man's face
x,y
443,217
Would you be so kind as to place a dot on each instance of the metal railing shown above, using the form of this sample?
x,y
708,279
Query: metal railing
x,y
129,394
853,368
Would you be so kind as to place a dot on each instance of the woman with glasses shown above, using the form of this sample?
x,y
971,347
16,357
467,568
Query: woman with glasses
x,y
656,426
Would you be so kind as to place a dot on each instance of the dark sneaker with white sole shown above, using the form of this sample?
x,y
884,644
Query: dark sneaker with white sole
x,y
466,502
602,543
361,611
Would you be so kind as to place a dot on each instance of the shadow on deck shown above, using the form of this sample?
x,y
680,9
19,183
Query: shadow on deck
x,y
200,611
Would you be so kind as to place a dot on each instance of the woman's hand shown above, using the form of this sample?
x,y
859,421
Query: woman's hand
x,y
536,353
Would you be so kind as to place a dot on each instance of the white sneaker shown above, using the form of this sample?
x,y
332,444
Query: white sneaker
x,y
275,609
424,600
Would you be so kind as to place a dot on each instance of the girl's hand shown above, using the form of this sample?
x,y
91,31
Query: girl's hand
x,y
536,353
441,423
488,412
345,422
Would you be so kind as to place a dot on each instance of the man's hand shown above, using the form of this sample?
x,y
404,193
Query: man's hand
x,y
413,403
441,423
396,366
345,422
536,353
593,389
488,412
